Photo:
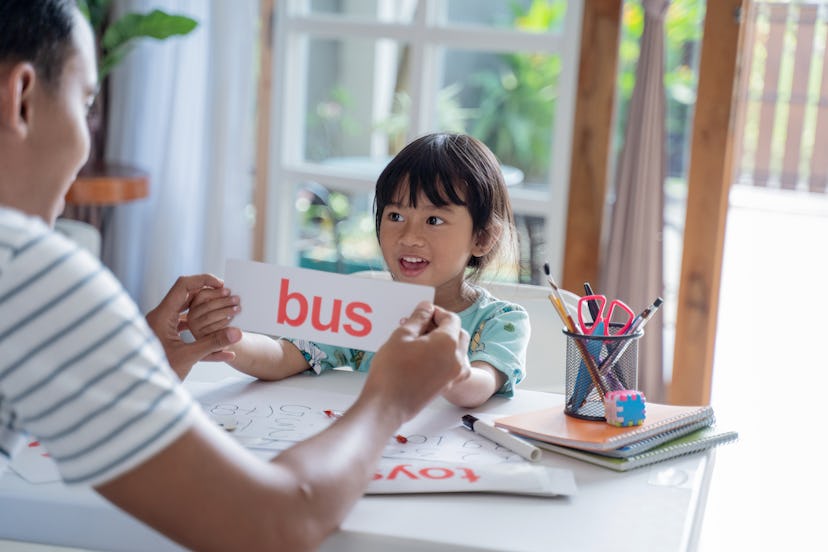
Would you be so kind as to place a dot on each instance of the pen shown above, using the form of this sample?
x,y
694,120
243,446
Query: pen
x,y
336,415
502,438
638,324
641,320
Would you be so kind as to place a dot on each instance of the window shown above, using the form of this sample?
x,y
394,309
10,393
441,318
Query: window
x,y
355,80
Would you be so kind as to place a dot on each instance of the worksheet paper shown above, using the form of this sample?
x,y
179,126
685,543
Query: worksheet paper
x,y
439,454
272,417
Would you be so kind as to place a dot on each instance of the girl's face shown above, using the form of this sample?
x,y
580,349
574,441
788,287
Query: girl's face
x,y
429,245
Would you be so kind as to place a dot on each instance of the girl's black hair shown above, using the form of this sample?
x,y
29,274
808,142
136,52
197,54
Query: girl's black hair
x,y
37,31
453,169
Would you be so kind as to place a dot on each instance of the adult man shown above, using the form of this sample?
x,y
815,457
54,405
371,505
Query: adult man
x,y
81,370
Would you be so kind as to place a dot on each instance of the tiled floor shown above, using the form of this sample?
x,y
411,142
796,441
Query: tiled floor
x,y
770,374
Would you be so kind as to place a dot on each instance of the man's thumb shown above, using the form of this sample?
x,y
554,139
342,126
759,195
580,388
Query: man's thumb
x,y
216,341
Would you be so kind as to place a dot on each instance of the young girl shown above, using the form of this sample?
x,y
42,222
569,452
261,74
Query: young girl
x,y
442,216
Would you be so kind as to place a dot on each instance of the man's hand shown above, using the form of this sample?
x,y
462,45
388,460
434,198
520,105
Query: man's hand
x,y
421,357
168,321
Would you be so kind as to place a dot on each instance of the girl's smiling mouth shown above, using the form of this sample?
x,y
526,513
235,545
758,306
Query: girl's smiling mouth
x,y
412,265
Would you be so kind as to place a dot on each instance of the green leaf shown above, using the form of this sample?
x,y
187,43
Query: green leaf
x,y
156,24
111,59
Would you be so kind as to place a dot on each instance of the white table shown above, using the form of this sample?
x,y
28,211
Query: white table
x,y
658,507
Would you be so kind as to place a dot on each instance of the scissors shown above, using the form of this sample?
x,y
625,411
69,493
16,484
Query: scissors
x,y
601,322
600,325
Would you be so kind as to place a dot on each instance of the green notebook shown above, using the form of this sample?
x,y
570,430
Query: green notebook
x,y
698,440
644,445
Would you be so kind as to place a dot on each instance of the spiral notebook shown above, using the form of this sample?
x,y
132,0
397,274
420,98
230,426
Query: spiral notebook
x,y
698,440
551,425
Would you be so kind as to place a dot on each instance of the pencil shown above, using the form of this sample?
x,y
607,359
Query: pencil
x,y
569,323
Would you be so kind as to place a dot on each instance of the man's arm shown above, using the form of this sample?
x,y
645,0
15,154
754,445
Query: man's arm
x,y
206,492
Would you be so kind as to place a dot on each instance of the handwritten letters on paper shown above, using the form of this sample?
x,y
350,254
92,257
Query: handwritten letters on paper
x,y
270,417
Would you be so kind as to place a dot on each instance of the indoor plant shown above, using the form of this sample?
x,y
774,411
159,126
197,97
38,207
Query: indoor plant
x,y
114,40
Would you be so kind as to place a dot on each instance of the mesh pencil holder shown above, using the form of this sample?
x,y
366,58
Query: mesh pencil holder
x,y
613,357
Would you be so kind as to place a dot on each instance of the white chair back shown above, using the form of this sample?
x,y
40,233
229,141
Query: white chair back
x,y
546,356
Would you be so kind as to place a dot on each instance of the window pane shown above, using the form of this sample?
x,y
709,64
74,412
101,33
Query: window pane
x,y
526,15
350,83
505,100
356,95
336,230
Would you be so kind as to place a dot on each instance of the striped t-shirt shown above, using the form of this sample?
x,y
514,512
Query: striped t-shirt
x,y
80,370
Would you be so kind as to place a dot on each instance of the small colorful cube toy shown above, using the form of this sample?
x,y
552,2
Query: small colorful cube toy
x,y
624,408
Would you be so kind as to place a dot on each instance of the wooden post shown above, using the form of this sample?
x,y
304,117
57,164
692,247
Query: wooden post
x,y
591,140
709,179
267,15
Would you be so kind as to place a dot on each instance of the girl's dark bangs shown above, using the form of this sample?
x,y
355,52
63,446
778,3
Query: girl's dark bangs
x,y
436,181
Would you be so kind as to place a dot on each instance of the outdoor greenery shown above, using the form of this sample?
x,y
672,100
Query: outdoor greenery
x,y
516,114
515,104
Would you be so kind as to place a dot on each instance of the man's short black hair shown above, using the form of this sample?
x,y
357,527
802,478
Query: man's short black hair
x,y
37,31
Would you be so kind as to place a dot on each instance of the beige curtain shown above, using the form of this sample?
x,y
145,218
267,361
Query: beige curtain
x,y
633,258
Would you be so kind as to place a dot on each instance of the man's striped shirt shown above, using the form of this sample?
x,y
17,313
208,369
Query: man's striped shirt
x,y
80,370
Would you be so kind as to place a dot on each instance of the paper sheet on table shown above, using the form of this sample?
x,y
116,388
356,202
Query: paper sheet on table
x,y
268,416
33,463
440,456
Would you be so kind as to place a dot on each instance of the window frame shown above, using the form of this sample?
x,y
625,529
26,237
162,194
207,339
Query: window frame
x,y
426,36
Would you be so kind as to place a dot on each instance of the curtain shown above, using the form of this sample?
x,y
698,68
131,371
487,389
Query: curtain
x,y
183,111
633,267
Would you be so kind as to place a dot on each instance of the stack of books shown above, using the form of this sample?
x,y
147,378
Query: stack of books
x,y
667,432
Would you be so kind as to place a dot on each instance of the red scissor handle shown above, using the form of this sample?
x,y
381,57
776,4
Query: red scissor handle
x,y
603,320
629,315
601,300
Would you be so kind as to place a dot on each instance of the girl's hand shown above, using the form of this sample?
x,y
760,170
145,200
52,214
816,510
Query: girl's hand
x,y
211,310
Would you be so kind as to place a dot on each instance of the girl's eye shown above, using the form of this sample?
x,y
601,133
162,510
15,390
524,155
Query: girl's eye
x,y
434,221
395,217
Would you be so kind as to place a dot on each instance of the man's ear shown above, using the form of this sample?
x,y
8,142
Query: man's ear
x,y
486,239
16,92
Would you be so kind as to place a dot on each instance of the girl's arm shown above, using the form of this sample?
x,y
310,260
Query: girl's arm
x,y
473,389
267,358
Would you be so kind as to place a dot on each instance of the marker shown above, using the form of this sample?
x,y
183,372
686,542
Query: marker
x,y
502,438
402,439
